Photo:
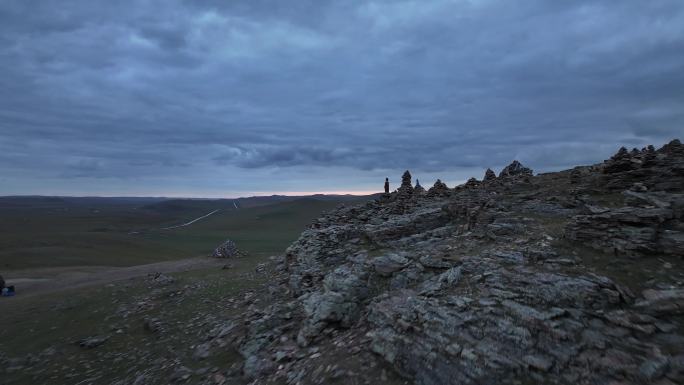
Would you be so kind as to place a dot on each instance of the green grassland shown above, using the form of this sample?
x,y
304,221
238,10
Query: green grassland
x,y
39,334
49,327
51,232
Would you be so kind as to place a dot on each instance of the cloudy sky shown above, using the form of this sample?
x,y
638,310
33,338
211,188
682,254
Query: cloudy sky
x,y
233,98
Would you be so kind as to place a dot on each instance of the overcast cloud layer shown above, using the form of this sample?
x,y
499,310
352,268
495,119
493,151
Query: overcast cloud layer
x,y
229,98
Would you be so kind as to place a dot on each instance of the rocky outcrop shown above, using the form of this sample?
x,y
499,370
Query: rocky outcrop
x,y
515,169
340,302
492,282
515,320
648,223
630,230
660,169
390,263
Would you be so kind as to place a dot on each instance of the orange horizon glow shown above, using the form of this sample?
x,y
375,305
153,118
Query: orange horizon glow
x,y
188,195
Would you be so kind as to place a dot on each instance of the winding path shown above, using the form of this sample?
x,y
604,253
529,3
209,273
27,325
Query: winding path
x,y
191,222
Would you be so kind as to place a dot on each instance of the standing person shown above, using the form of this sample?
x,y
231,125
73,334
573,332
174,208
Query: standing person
x,y
2,283
386,185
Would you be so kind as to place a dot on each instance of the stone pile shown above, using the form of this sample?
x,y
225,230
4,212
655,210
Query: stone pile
x,y
472,183
418,190
406,188
515,169
227,249
439,189
489,175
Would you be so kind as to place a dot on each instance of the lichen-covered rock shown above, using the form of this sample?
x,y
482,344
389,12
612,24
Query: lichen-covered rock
x,y
339,302
388,264
256,366
650,224
662,301
492,282
532,323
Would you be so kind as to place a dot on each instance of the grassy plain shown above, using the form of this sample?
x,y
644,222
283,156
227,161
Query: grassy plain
x,y
54,232
39,334
49,328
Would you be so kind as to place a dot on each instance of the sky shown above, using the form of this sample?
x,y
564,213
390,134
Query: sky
x,y
235,98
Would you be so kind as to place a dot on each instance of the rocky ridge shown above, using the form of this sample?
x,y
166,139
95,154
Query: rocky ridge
x,y
570,277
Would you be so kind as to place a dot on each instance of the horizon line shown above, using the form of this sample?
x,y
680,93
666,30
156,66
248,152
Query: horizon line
x,y
256,194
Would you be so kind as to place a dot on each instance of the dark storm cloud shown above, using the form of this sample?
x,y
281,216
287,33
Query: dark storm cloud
x,y
205,96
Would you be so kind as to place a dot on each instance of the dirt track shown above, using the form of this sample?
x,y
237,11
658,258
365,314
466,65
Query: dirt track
x,y
32,282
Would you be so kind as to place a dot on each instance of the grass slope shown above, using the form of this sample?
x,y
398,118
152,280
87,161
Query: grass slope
x,y
55,232
48,328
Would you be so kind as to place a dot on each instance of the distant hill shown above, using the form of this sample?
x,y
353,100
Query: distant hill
x,y
180,204
160,204
38,231
48,202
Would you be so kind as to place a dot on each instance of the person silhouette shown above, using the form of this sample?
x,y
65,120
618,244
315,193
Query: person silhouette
x,y
386,185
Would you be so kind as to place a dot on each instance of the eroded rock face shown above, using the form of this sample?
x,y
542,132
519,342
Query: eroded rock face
x,y
339,301
648,223
492,283
516,320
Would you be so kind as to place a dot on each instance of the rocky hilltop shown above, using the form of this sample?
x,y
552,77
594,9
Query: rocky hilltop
x,y
571,277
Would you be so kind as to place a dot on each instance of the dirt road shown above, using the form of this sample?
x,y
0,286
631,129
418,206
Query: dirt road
x,y
192,221
32,282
